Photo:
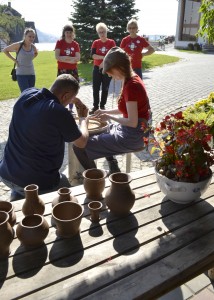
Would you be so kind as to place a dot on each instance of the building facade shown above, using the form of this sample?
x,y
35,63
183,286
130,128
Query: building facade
x,y
188,21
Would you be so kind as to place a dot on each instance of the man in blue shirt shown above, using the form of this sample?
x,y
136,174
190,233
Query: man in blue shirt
x,y
39,128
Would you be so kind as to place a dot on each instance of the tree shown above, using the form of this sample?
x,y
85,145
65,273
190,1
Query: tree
x,y
87,14
10,26
207,20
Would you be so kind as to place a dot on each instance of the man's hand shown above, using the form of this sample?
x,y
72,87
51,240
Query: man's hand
x,y
82,109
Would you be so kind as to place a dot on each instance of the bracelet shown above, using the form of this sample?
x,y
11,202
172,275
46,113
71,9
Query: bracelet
x,y
82,118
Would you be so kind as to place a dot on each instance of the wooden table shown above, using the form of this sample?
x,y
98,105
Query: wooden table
x,y
159,246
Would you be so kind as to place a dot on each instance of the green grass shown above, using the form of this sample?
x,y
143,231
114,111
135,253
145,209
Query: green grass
x,y
46,70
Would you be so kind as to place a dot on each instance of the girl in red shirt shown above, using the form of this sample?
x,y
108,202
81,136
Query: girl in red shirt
x,y
99,49
134,44
126,133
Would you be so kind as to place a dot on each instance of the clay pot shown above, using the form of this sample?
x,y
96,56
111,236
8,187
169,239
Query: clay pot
x,y
6,234
32,230
95,208
9,208
94,183
119,197
64,194
33,203
67,217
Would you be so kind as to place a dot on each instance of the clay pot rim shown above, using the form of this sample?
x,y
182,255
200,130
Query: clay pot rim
x,y
7,203
36,187
64,193
129,178
29,216
95,169
6,215
69,203
95,208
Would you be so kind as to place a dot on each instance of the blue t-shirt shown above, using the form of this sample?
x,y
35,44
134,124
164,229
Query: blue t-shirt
x,y
39,128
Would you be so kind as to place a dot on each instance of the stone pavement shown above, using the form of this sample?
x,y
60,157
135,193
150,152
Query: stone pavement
x,y
169,88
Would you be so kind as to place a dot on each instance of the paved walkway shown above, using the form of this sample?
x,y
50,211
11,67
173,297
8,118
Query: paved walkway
x,y
169,87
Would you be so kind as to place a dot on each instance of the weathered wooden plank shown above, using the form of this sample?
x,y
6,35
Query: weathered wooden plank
x,y
138,266
85,257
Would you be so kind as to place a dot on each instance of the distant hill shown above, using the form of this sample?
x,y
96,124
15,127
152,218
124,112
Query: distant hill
x,y
45,37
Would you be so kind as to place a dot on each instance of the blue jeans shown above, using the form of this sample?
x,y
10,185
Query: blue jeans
x,y
20,190
138,71
26,81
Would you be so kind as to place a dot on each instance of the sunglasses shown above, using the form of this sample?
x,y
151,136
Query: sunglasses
x,y
132,27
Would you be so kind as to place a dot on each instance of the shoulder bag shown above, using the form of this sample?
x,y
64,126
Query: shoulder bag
x,y
13,72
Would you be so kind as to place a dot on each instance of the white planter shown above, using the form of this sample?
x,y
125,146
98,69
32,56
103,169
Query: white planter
x,y
182,192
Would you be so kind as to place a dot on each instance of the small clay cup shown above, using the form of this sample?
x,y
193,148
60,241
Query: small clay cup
x,y
94,183
32,231
9,208
67,217
95,208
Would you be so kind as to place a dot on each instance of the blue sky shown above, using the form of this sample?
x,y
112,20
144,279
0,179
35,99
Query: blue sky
x,y
155,16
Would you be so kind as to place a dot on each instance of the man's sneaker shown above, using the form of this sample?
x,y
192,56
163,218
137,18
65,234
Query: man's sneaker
x,y
102,107
92,111
113,166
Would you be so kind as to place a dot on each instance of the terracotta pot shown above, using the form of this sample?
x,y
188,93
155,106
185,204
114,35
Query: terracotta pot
x,y
33,203
64,194
9,208
67,217
182,192
119,197
94,183
95,208
6,235
32,230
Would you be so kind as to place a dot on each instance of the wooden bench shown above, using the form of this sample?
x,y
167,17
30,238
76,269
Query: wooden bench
x,y
157,247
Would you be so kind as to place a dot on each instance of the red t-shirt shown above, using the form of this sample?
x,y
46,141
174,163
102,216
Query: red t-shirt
x,y
134,49
102,49
134,90
67,49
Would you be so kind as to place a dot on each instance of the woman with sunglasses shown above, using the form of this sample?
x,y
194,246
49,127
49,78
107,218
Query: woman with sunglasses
x,y
98,51
134,44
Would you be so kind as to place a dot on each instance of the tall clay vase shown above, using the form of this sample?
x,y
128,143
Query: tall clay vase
x,y
67,216
32,231
33,203
9,208
64,194
119,197
6,235
94,183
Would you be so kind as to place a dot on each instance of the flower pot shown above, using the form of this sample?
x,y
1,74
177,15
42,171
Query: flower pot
x,y
182,192
119,197
6,235
33,203
64,194
9,208
94,183
32,230
67,217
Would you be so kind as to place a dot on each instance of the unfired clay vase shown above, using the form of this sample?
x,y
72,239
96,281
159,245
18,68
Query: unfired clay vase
x,y
119,197
9,208
95,208
6,235
94,183
64,194
32,231
67,216
33,203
